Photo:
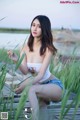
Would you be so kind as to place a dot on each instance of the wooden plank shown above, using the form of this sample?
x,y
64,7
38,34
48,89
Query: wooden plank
x,y
51,112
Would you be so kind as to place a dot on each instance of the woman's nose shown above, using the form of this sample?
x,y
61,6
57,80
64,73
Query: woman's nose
x,y
35,28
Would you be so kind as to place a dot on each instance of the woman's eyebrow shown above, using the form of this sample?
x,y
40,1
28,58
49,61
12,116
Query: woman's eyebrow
x,y
35,23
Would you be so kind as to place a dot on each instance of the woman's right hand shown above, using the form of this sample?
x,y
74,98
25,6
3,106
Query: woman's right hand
x,y
12,56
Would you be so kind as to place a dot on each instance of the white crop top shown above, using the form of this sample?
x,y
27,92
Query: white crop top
x,y
36,67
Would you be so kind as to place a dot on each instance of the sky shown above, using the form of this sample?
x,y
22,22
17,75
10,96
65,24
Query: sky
x,y
19,13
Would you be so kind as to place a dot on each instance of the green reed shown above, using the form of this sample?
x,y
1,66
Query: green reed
x,y
69,75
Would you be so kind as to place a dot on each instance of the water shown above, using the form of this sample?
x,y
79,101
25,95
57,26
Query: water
x,y
10,41
13,41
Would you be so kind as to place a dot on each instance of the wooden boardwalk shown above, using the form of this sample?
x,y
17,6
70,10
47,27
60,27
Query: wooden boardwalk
x,y
51,112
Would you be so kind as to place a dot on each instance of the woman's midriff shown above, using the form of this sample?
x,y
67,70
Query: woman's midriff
x,y
50,78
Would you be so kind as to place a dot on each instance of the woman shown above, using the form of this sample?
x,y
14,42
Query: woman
x,y
39,50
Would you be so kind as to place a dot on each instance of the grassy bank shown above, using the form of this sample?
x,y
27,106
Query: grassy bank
x,y
22,30
14,30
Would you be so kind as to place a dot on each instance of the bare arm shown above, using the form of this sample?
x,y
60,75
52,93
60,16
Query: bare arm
x,y
44,66
23,66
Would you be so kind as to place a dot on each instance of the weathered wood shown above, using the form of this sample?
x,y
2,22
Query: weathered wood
x,y
51,112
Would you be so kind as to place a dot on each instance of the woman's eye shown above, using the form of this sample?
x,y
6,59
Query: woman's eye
x,y
36,25
39,26
33,24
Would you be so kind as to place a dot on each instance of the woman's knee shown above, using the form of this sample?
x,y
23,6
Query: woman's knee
x,y
32,89
37,89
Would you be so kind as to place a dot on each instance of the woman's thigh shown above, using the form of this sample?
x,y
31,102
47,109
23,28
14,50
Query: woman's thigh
x,y
48,91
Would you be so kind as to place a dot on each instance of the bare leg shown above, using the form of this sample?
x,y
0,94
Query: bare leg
x,y
49,92
35,107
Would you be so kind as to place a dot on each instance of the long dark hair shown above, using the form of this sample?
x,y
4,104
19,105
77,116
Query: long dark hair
x,y
46,37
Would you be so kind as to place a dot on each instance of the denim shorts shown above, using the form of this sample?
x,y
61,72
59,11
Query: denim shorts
x,y
55,81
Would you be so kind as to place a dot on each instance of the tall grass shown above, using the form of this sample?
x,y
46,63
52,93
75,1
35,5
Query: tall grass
x,y
5,61
69,74
2,76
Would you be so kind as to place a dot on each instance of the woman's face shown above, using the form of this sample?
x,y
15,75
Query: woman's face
x,y
36,28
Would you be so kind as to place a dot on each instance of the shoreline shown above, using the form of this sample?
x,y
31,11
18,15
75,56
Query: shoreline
x,y
14,30
27,30
66,41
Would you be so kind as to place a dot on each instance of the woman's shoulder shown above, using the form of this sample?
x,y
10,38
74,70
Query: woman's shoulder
x,y
48,51
24,47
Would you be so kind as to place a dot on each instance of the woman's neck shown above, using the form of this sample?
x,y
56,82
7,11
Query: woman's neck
x,y
36,40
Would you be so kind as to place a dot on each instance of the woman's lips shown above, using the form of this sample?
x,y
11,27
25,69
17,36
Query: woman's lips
x,y
34,32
